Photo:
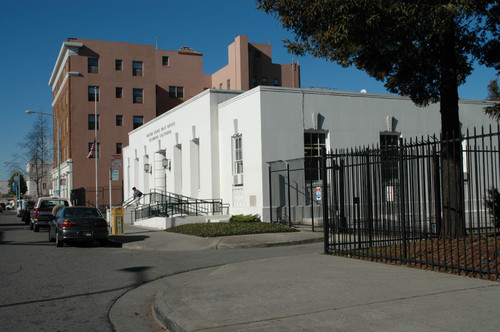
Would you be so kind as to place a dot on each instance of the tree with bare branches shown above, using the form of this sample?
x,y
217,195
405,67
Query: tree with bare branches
x,y
38,151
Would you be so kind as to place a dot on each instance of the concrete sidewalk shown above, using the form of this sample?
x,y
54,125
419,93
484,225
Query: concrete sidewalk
x,y
308,292
142,238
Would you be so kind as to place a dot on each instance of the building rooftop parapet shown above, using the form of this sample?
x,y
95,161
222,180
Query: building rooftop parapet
x,y
67,48
188,50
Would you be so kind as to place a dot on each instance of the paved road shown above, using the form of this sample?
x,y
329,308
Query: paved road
x,y
44,288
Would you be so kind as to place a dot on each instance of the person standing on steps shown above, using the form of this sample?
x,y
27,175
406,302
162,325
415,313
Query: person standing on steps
x,y
137,196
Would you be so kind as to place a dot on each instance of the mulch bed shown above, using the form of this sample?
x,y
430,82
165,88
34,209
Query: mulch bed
x,y
475,256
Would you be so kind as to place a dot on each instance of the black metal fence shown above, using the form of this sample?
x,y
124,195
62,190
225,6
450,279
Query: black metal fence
x,y
431,202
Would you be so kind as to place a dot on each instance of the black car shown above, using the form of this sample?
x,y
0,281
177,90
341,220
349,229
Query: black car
x,y
78,223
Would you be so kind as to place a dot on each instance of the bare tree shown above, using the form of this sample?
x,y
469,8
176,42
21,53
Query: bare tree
x,y
38,150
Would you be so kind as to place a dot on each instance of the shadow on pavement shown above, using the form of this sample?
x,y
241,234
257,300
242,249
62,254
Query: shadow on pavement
x,y
118,240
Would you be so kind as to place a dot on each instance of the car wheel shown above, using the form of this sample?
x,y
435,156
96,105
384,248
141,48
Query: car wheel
x,y
103,242
59,243
36,228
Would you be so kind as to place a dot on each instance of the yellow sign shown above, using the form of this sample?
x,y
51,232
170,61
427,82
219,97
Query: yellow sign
x,y
117,220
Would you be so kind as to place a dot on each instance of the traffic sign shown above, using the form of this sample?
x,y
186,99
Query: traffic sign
x,y
318,193
115,175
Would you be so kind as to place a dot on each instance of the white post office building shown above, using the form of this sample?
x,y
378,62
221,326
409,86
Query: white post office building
x,y
218,143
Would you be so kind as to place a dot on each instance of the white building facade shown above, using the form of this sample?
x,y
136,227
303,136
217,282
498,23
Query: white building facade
x,y
45,181
218,143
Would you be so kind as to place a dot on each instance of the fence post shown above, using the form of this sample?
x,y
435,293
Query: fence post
x,y
289,202
342,215
312,207
326,220
369,199
270,196
437,191
402,199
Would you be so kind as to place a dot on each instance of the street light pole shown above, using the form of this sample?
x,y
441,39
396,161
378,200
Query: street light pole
x,y
58,147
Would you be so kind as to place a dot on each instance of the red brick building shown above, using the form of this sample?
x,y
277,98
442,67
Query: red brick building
x,y
133,84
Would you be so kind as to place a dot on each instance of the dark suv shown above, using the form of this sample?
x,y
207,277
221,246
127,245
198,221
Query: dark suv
x,y
42,212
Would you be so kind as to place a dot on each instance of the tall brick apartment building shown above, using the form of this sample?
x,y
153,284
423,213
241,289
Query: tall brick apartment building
x,y
128,85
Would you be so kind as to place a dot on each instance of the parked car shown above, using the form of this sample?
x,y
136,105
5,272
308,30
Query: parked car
x,y
78,223
26,211
42,212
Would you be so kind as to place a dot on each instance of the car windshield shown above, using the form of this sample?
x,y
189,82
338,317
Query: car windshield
x,y
53,202
82,213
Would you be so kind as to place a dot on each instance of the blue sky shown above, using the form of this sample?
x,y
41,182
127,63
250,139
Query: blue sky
x,y
32,32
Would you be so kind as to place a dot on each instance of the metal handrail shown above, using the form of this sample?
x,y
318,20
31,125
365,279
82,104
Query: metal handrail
x,y
159,203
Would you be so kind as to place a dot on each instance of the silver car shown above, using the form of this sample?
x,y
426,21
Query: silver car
x,y
78,223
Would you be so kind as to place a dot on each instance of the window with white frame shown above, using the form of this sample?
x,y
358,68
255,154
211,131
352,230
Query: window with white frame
x,y
314,143
237,147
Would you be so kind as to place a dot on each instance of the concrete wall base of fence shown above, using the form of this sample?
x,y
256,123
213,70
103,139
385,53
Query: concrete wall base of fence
x,y
309,222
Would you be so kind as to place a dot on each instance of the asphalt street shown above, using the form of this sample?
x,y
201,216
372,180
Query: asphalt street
x,y
150,280
74,288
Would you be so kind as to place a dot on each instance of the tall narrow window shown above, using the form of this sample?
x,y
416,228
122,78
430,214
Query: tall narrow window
x,y
93,93
137,96
93,65
137,68
118,64
118,148
314,142
164,61
92,122
119,120
119,92
229,84
138,120
237,146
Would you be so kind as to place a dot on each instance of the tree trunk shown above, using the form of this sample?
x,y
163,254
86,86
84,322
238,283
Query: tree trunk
x,y
453,221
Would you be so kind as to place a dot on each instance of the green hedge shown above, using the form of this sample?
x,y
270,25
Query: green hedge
x,y
231,228
245,218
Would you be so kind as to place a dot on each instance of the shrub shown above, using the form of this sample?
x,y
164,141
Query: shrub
x,y
245,218
227,229
493,205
